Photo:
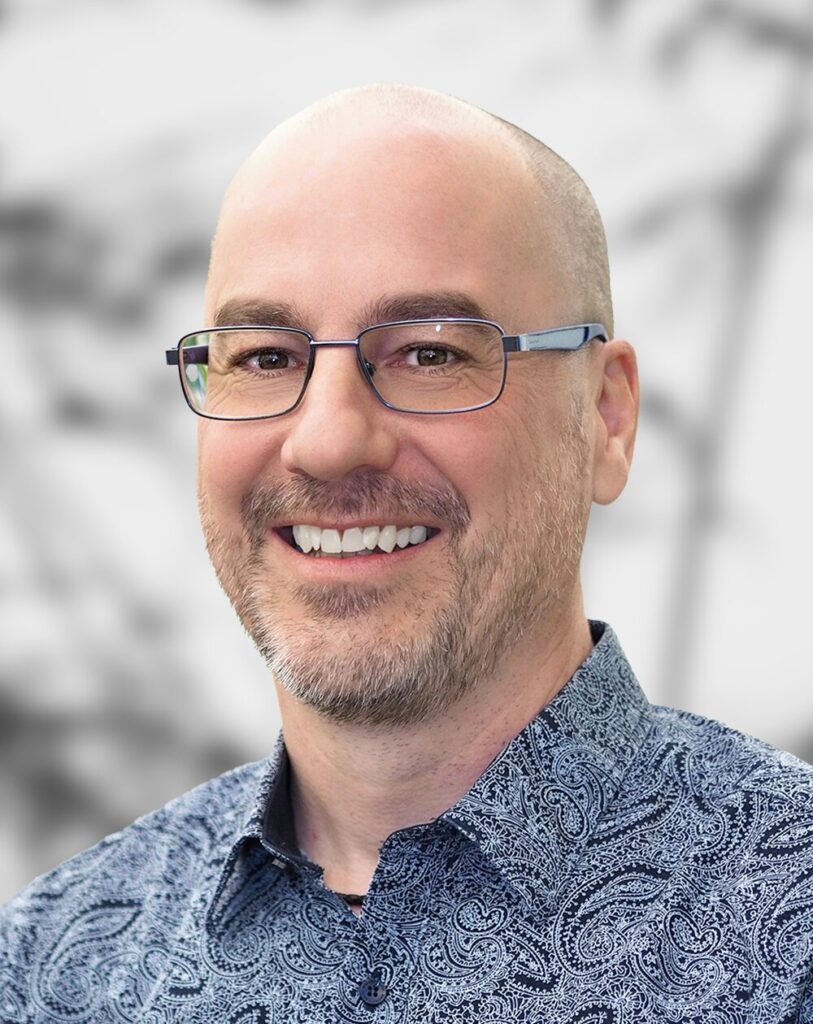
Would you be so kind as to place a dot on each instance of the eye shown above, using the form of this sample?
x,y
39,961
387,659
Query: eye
x,y
273,359
429,355
268,359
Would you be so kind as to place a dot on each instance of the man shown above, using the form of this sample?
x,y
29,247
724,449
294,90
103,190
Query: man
x,y
475,815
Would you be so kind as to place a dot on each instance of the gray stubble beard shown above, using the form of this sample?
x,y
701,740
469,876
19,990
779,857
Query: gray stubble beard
x,y
497,591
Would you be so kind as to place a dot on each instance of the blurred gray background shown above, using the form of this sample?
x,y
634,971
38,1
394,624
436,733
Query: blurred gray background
x,y
124,675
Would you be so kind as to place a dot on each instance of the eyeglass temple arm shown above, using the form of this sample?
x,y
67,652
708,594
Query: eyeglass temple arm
x,y
558,338
191,354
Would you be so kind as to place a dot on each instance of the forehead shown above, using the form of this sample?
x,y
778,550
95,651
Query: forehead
x,y
329,217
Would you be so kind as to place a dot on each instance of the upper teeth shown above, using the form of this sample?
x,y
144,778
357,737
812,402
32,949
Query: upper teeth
x,y
332,542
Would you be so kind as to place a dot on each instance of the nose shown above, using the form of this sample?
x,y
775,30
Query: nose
x,y
340,425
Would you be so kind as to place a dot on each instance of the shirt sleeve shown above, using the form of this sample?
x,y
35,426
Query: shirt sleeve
x,y
13,968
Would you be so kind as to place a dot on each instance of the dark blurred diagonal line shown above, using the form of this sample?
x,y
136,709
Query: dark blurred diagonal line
x,y
759,24
54,264
666,415
653,220
750,208
52,260
38,757
66,774
43,751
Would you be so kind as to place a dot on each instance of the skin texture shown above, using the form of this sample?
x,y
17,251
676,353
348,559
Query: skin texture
x,y
398,684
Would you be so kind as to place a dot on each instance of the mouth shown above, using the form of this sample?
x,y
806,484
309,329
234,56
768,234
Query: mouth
x,y
354,541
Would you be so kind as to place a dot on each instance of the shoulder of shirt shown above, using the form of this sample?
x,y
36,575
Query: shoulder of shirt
x,y
201,820
723,762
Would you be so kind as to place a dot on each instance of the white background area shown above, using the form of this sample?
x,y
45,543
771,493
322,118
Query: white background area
x,y
125,677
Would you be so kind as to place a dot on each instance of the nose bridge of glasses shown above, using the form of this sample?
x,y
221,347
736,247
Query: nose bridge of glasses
x,y
366,369
335,343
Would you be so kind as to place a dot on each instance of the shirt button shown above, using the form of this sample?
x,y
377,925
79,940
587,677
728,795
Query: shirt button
x,y
373,991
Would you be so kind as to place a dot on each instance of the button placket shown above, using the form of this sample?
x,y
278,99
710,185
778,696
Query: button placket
x,y
387,943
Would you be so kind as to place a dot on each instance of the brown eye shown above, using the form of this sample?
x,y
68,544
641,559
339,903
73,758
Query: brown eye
x,y
431,356
273,359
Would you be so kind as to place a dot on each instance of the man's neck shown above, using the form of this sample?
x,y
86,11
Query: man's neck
x,y
354,785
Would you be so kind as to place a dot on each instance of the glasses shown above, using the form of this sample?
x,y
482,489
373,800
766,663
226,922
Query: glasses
x,y
439,366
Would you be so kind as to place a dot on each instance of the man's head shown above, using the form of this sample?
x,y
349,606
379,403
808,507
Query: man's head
x,y
392,203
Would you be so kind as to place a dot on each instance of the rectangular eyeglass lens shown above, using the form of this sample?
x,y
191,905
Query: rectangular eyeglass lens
x,y
250,372
435,366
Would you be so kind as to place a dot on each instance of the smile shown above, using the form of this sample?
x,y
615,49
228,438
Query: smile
x,y
356,541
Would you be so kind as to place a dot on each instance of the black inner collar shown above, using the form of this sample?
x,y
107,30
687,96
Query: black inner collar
x,y
278,826
278,822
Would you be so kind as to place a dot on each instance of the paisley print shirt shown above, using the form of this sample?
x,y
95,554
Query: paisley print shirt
x,y
616,863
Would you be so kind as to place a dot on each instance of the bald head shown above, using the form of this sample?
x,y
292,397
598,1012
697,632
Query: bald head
x,y
549,216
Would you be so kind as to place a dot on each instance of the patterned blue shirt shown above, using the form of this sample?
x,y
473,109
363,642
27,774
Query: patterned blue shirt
x,y
616,863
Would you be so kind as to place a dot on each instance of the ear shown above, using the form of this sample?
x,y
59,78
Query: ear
x,y
616,398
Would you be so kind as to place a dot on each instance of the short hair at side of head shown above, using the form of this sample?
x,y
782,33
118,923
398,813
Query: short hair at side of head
x,y
579,243
582,244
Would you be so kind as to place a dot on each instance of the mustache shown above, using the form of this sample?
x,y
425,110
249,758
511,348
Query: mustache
x,y
367,495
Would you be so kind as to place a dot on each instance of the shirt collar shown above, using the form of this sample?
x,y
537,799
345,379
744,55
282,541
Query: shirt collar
x,y
269,818
264,827
534,808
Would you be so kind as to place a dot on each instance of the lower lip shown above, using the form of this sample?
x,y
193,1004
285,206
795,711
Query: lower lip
x,y
363,567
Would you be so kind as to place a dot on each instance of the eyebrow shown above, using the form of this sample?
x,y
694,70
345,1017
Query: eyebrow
x,y
386,309
422,306
257,312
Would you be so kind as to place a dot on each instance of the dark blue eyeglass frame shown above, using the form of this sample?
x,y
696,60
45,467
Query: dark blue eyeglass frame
x,y
554,339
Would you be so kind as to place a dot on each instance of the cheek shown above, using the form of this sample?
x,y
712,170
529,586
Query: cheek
x,y
518,448
231,457
485,455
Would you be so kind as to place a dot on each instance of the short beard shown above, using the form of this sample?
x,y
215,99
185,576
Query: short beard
x,y
497,591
